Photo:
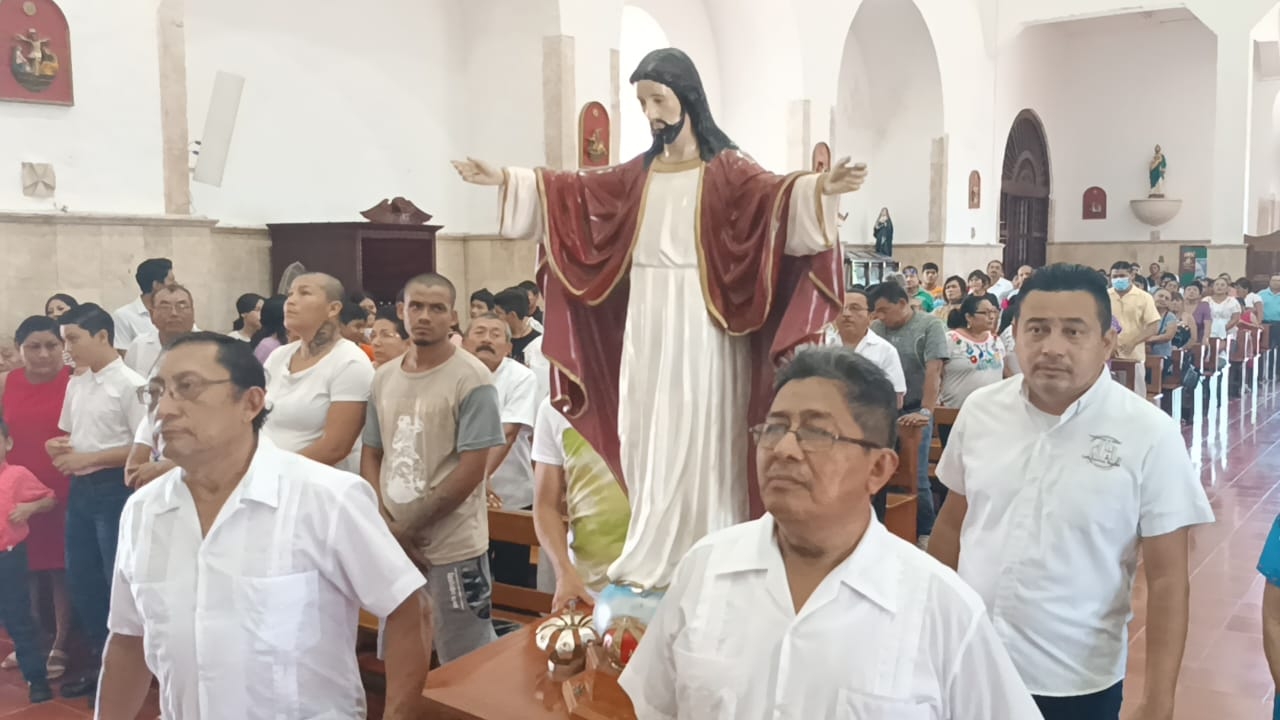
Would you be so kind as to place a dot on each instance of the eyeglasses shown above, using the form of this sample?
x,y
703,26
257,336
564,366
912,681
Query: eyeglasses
x,y
186,389
166,307
810,439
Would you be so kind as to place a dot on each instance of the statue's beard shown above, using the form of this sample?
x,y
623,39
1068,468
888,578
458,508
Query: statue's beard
x,y
667,134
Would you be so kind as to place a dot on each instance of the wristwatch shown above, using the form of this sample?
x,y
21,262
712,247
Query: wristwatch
x,y
925,412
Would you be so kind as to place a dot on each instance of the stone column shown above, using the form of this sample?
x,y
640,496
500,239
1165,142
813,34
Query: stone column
x,y
1230,139
172,42
558,85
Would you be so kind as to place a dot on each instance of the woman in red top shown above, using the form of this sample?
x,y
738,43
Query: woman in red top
x,y
31,399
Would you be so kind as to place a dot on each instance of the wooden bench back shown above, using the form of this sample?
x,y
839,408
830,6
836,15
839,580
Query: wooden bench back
x,y
516,527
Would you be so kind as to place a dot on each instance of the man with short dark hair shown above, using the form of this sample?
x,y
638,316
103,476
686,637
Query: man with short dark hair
x,y
929,279
431,424
921,342
481,303
919,297
853,330
1000,285
512,305
535,301
241,574
134,319
100,414
1046,518
1135,309
753,625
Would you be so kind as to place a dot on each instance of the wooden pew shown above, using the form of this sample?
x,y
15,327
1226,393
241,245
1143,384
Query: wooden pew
x,y
1155,371
1125,372
1171,385
1214,369
511,602
900,502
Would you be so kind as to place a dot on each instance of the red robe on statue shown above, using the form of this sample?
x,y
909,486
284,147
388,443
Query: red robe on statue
x,y
750,286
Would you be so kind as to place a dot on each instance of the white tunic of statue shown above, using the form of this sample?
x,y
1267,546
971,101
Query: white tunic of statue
x,y
682,409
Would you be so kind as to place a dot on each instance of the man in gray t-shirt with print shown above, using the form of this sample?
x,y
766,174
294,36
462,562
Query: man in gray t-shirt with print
x,y
921,342
429,427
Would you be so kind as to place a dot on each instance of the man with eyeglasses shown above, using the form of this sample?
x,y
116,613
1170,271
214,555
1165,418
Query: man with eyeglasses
x,y
240,575
852,329
815,610
173,314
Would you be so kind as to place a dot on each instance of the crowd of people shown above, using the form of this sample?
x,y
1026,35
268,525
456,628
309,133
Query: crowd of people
x,y
142,460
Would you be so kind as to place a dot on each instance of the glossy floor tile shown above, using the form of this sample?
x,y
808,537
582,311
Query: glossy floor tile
x,y
1224,673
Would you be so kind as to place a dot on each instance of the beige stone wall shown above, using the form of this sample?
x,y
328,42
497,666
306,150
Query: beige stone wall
x,y
483,261
1222,258
93,257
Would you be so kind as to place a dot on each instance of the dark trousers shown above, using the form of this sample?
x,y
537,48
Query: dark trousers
x,y
93,526
926,514
15,612
1273,334
1104,705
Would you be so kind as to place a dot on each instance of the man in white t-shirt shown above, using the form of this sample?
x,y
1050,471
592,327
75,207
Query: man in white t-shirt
x,y
1000,285
1046,518
509,469
134,319
853,329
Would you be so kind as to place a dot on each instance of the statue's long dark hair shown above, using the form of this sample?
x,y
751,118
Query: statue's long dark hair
x,y
674,69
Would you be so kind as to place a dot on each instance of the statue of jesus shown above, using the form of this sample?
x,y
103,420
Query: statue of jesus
x,y
674,284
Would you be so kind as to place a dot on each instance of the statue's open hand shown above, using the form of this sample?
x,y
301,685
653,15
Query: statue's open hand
x,y
478,172
844,178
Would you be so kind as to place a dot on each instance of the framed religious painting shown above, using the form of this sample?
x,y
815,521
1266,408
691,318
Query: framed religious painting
x,y
1094,204
37,44
975,190
821,157
593,136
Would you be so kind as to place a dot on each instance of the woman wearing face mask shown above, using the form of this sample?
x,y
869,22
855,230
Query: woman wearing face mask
x,y
1224,311
952,296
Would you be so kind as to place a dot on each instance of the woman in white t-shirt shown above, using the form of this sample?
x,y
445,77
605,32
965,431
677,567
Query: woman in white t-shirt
x,y
318,386
1224,311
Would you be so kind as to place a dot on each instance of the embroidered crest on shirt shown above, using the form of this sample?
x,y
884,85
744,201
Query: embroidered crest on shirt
x,y
1104,451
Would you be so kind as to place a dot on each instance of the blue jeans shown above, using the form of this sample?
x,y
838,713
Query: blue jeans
x,y
925,513
15,612
1103,705
93,527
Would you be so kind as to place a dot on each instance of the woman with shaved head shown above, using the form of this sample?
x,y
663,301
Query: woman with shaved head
x,y
317,386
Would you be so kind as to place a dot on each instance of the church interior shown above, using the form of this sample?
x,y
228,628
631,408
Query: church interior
x,y
237,138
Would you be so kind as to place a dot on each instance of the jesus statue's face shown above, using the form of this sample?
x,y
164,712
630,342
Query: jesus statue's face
x,y
661,106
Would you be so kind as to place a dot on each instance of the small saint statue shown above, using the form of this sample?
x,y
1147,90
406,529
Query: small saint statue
x,y
883,233
1156,172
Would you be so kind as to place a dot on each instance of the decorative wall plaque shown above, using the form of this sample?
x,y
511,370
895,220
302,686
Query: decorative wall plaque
x,y
593,136
821,157
975,190
37,44
1094,204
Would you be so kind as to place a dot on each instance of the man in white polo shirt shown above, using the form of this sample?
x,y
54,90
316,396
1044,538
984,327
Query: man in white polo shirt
x,y
815,610
100,413
853,329
134,319
241,574
1046,517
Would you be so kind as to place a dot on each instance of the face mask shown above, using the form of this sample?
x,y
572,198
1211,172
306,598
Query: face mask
x,y
1121,284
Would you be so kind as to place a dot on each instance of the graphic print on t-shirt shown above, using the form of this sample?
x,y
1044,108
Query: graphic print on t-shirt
x,y
408,479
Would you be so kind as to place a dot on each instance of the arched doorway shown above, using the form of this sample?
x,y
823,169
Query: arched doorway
x,y
1024,194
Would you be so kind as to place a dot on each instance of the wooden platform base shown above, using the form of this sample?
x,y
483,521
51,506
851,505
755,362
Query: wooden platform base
x,y
504,680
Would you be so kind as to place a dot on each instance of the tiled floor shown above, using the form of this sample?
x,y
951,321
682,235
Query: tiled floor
x,y
1224,673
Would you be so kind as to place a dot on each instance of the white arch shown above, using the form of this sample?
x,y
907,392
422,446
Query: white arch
x,y
889,110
